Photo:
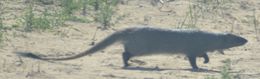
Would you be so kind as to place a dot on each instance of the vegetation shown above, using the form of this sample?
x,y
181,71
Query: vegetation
x,y
31,22
1,24
71,6
1,30
256,24
105,12
225,72
49,19
201,9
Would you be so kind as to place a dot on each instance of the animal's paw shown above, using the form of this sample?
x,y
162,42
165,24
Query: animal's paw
x,y
195,69
199,70
205,62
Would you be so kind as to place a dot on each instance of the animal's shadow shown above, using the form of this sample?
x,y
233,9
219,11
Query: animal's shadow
x,y
28,54
164,69
25,54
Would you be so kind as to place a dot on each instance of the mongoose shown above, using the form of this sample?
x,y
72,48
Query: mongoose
x,y
141,41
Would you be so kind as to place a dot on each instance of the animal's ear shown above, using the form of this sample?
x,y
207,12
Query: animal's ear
x,y
226,37
225,34
229,34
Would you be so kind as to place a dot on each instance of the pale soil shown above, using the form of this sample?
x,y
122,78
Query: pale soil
x,y
106,64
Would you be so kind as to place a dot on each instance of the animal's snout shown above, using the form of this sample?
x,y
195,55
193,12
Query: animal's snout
x,y
243,40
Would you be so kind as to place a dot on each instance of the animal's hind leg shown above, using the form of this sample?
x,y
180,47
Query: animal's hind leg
x,y
126,57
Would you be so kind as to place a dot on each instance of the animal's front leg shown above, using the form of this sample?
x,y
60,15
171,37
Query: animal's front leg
x,y
192,60
206,58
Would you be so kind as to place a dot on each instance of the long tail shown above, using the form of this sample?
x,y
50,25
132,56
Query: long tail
x,y
101,45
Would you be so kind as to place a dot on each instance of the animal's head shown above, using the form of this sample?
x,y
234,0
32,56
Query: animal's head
x,y
231,40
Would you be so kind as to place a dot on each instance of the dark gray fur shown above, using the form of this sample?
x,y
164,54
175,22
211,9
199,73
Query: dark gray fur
x,y
140,41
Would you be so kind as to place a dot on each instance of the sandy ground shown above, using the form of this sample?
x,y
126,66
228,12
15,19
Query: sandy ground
x,y
107,64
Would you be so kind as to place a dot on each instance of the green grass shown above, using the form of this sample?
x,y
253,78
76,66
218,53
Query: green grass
x,y
1,24
42,21
28,18
211,77
105,12
49,19
203,9
193,16
225,72
213,7
190,19
1,37
32,22
69,7
256,24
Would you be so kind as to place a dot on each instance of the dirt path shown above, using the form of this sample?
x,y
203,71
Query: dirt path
x,y
106,64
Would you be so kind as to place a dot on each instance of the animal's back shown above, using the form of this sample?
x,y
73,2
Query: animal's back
x,y
146,40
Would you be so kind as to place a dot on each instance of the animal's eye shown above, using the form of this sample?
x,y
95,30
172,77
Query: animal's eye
x,y
226,38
